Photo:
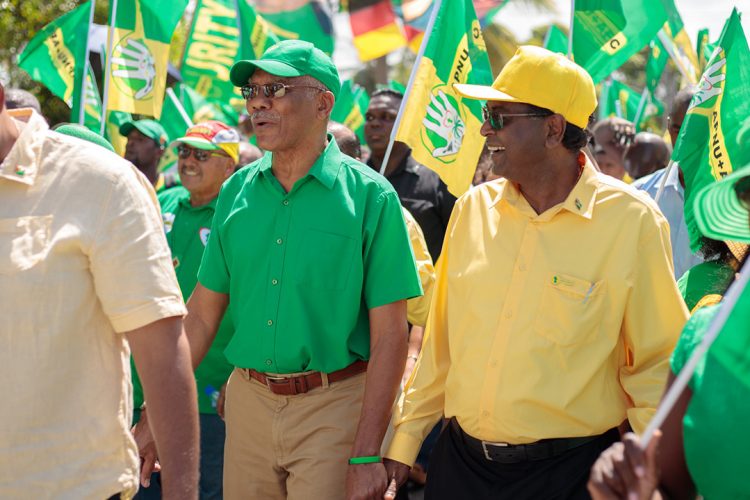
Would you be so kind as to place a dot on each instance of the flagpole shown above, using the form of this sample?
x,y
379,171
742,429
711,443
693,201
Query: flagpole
x,y
663,183
570,32
425,39
641,108
82,99
683,378
669,46
180,107
108,69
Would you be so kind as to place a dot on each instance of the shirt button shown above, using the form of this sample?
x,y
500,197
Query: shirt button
x,y
274,282
485,413
285,202
279,241
509,315
270,322
493,363
522,267
269,362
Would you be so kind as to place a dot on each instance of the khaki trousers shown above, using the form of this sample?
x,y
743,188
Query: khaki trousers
x,y
294,447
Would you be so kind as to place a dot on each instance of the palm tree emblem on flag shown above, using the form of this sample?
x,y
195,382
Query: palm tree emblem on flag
x,y
133,66
443,124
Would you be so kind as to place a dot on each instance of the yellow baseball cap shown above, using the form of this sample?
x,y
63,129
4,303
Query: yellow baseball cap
x,y
541,78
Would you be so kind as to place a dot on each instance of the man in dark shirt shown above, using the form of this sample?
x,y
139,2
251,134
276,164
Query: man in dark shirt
x,y
420,189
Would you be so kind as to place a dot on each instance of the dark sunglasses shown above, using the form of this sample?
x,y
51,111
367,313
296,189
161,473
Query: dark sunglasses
x,y
273,90
742,188
184,152
497,119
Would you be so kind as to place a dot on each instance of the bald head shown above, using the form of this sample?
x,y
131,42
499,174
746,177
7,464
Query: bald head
x,y
646,155
19,98
346,139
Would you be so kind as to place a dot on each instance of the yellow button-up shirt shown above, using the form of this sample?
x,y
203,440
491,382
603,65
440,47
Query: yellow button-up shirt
x,y
418,307
83,258
547,325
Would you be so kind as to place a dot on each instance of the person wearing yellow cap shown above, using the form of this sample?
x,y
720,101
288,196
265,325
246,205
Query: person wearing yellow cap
x,y
206,157
555,308
310,248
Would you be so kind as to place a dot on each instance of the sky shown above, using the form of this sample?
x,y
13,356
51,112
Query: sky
x,y
696,14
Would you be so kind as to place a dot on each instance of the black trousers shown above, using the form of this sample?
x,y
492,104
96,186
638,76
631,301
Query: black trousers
x,y
459,471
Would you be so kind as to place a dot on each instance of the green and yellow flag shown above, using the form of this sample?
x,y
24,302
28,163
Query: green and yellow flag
x,y
617,99
556,41
350,108
606,33
708,147
92,103
441,127
223,32
308,20
140,53
56,56
657,61
675,39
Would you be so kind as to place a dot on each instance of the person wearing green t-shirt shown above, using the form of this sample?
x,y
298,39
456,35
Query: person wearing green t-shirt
x,y
311,248
703,449
207,156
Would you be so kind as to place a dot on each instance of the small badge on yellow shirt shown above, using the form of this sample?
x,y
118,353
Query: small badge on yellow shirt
x,y
20,171
579,205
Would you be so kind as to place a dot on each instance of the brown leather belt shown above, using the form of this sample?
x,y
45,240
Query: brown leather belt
x,y
291,386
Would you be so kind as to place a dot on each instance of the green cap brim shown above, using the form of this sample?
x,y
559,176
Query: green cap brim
x,y
197,143
126,128
719,213
243,70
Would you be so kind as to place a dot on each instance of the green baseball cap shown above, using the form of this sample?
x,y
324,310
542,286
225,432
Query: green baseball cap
x,y
150,128
719,212
290,58
81,132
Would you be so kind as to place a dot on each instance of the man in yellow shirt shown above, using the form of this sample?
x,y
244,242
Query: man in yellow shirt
x,y
555,307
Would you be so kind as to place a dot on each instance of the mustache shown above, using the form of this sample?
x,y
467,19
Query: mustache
x,y
263,116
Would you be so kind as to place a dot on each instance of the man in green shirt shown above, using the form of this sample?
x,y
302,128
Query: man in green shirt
x,y
207,155
311,248
147,141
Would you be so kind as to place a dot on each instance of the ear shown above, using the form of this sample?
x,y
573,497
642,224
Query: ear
x,y
229,170
555,128
325,104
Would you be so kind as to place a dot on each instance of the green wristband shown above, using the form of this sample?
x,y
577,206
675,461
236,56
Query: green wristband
x,y
365,460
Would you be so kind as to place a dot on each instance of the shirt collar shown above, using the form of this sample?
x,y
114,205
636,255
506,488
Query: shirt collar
x,y
22,163
325,169
580,201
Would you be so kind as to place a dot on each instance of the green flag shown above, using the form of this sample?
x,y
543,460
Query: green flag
x,y
112,130
707,148
140,53
556,40
92,103
441,126
56,56
617,99
216,41
308,20
350,108
657,61
607,32
198,109
675,39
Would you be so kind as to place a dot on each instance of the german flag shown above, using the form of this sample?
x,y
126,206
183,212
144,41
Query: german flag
x,y
376,32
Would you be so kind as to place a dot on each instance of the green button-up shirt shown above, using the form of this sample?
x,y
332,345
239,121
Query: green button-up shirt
x,y
303,268
187,228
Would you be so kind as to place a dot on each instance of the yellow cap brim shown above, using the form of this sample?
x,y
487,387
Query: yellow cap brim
x,y
482,93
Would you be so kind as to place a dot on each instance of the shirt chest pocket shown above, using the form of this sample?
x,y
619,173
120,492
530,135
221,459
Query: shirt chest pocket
x,y
24,242
571,310
325,260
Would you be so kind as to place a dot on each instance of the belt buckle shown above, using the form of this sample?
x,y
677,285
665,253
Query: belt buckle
x,y
486,451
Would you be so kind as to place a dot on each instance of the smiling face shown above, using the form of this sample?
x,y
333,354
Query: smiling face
x,y
518,147
379,120
204,178
283,123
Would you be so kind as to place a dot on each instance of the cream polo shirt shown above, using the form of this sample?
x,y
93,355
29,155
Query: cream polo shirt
x,y
83,258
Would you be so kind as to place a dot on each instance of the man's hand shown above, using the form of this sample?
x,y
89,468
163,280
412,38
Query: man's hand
x,y
626,470
146,449
366,481
396,471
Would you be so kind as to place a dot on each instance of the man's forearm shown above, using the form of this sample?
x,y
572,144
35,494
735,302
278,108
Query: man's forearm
x,y
205,311
387,358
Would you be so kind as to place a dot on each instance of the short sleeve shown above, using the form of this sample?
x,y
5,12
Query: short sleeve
x,y
130,259
418,307
213,272
390,272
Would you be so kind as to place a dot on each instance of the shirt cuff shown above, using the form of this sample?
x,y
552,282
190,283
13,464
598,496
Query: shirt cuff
x,y
154,311
404,448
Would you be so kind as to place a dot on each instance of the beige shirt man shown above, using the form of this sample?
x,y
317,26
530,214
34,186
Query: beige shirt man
x,y
83,259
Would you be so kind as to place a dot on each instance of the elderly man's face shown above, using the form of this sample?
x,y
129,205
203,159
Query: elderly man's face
x,y
518,146
281,123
